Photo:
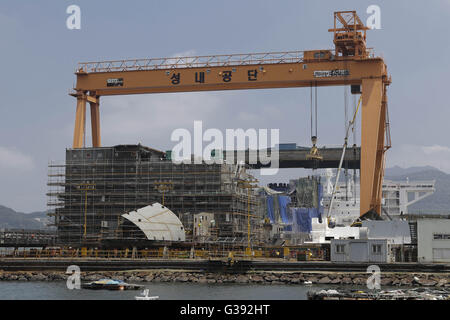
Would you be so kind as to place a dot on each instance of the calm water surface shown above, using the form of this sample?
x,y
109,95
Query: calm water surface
x,y
19,290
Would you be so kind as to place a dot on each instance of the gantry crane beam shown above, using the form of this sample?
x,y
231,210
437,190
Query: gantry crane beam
x,y
253,71
281,75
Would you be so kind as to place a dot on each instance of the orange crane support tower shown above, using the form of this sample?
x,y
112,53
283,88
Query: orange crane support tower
x,y
350,63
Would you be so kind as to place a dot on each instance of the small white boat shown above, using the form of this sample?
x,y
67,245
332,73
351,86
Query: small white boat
x,y
307,283
145,296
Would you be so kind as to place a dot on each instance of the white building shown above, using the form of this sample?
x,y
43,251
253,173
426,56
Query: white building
x,y
433,240
397,196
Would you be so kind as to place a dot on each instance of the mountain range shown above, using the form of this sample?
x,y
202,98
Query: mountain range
x,y
10,219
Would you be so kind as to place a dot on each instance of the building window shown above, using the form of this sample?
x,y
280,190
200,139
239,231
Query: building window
x,y
340,248
376,248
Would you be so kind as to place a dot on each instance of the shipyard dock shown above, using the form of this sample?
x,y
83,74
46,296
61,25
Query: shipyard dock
x,y
209,265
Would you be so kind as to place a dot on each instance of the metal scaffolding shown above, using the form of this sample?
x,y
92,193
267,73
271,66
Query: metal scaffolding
x,y
88,193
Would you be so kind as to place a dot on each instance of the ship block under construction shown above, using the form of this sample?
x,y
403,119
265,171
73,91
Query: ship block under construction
x,y
89,193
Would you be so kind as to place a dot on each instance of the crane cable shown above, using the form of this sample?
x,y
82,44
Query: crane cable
x,y
354,153
345,128
342,158
311,107
354,116
314,152
315,108
313,111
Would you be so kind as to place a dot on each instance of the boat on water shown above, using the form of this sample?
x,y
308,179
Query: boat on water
x,y
145,296
110,284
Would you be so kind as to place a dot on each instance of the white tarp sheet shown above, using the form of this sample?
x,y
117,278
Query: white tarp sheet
x,y
157,222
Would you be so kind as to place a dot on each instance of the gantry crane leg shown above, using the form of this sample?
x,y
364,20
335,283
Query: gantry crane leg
x,y
80,120
373,126
95,120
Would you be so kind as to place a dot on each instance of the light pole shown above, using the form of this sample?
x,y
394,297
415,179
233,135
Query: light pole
x,y
85,187
163,186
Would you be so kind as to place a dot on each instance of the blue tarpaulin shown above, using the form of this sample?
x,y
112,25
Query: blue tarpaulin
x,y
277,207
303,218
300,218
285,216
270,212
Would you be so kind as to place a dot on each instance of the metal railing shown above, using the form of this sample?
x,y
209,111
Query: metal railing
x,y
160,253
220,60
23,237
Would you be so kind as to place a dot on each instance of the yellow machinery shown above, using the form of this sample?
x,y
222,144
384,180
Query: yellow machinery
x,y
314,152
350,64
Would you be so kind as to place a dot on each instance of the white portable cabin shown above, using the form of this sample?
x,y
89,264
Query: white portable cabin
x,y
361,250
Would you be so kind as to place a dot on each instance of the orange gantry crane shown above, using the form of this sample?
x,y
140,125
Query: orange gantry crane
x,y
350,63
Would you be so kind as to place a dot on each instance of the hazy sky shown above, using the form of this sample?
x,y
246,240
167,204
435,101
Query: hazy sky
x,y
39,55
